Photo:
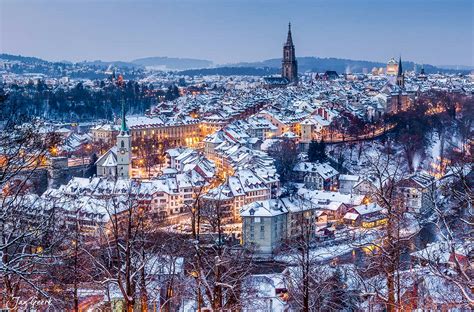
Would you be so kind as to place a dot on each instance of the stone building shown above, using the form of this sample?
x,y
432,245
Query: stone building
x,y
289,68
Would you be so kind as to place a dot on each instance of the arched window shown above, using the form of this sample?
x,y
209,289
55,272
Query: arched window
x,y
122,143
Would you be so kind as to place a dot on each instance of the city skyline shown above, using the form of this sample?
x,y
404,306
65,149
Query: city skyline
x,y
240,31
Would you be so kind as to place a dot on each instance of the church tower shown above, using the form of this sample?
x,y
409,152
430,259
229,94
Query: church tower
x,y
289,68
124,149
400,75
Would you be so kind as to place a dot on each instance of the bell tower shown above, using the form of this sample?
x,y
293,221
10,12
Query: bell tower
x,y
124,149
289,68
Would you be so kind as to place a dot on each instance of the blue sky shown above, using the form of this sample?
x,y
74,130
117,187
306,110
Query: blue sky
x,y
226,31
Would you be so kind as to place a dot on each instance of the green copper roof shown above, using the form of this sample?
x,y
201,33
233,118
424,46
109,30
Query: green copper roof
x,y
123,128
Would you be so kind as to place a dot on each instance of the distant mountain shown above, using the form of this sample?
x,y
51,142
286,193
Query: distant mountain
x,y
190,66
83,70
120,64
231,71
456,67
35,60
20,58
172,63
317,64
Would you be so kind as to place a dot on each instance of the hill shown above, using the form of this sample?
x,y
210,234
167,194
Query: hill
x,y
119,64
231,71
172,63
318,64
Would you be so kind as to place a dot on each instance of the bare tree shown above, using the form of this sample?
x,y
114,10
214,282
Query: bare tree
x,y
385,259
455,223
220,265
27,229
312,284
122,249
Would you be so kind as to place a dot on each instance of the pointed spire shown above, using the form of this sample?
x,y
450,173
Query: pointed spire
x,y
289,39
123,128
400,70
400,76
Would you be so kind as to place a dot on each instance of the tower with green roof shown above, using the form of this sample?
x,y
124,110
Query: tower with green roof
x,y
124,148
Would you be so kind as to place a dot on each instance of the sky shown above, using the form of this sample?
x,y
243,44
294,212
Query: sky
x,y
229,31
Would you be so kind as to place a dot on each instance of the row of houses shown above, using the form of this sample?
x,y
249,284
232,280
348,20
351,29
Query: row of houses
x,y
268,223
170,194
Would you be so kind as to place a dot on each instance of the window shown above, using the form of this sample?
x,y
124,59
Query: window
x,y
122,143
262,232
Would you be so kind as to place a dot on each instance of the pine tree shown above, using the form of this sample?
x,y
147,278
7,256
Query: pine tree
x,y
312,150
317,151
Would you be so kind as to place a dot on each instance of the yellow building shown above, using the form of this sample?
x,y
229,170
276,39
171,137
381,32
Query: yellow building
x,y
392,67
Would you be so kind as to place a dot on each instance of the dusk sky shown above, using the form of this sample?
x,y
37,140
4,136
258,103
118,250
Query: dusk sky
x,y
434,32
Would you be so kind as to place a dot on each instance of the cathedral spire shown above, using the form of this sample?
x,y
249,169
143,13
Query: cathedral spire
x,y
289,39
123,128
289,68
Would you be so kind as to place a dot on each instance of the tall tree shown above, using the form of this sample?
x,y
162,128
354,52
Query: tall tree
x,y
28,236
317,151
285,154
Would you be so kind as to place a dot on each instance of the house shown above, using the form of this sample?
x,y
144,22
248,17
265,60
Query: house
x,y
347,183
299,211
314,128
428,291
105,133
367,216
417,192
264,224
365,186
335,204
271,295
317,176
445,254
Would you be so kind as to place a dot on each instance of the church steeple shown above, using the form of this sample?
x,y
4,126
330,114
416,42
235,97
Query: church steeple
x,y
289,68
124,127
289,39
400,75
400,70
124,148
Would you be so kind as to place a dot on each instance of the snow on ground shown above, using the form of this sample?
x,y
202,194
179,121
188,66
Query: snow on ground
x,y
327,253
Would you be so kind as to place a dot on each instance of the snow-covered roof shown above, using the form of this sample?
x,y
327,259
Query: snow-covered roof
x,y
349,177
324,170
351,216
318,196
366,209
265,208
